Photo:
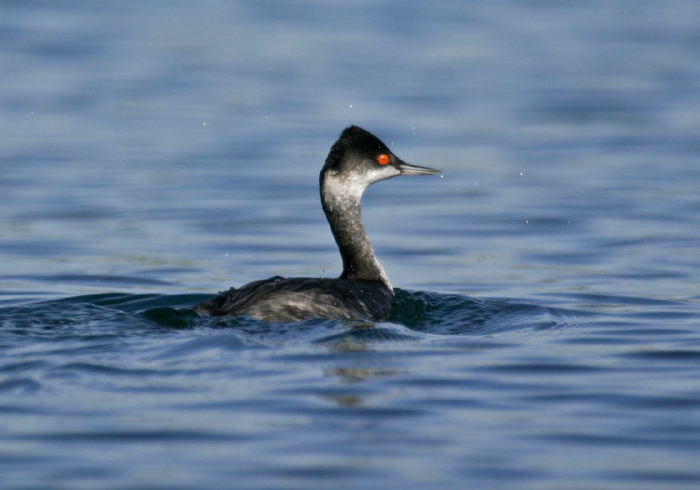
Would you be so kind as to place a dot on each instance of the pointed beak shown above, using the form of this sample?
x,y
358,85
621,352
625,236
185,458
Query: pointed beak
x,y
408,169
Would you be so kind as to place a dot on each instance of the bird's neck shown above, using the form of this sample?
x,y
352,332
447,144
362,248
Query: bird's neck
x,y
341,202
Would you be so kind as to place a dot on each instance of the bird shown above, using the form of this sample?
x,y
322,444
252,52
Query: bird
x,y
363,290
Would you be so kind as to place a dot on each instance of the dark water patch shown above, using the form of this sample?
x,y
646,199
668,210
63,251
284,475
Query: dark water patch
x,y
258,332
19,385
62,322
12,460
533,367
661,478
456,383
22,366
586,107
99,280
347,393
641,334
659,402
34,248
369,332
665,315
668,354
620,401
328,404
617,440
130,436
240,406
171,317
347,410
19,296
614,300
321,472
137,302
460,403
24,409
600,340
104,369
218,342
335,353
129,310
451,314
448,313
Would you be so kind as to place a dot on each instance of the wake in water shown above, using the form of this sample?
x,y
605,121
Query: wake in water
x,y
416,316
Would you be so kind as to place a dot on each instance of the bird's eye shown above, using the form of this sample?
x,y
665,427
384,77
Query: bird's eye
x,y
383,159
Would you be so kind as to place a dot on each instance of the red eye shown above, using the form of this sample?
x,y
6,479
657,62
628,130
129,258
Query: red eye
x,y
383,159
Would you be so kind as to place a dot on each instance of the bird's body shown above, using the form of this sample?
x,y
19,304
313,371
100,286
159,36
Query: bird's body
x,y
363,290
294,299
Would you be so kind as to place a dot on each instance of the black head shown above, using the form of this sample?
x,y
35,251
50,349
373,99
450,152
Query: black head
x,y
360,156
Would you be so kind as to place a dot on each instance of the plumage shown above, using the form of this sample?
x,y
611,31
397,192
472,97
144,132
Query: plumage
x,y
294,299
363,291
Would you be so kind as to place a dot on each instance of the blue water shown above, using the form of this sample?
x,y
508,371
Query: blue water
x,y
546,332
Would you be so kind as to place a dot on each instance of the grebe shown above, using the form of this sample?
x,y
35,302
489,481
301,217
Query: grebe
x,y
363,290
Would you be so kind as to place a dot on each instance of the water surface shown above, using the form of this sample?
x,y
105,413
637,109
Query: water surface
x,y
546,330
